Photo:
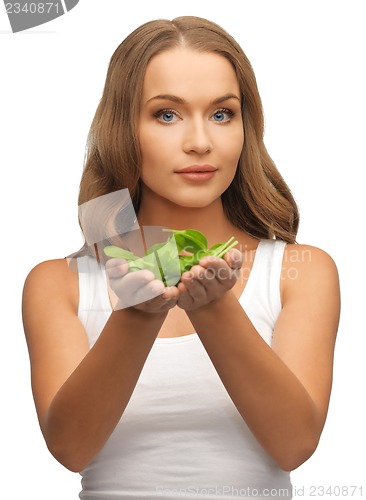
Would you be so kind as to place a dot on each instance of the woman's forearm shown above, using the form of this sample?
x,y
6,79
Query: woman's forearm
x,y
90,403
272,401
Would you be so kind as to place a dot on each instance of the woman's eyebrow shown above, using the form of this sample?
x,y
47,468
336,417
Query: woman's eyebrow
x,y
225,97
180,100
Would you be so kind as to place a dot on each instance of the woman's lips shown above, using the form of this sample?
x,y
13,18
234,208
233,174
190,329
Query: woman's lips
x,y
197,176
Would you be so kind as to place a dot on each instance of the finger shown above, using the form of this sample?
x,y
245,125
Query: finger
x,y
218,275
234,258
209,261
142,295
170,293
158,304
116,268
150,291
165,301
129,285
115,262
193,282
182,288
185,301
215,269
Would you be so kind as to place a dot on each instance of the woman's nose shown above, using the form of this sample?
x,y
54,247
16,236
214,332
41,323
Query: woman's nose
x,y
197,138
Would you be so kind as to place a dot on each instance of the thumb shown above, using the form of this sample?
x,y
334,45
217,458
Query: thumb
x,y
234,258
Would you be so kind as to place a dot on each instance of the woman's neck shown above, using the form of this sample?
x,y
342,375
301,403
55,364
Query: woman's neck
x,y
210,220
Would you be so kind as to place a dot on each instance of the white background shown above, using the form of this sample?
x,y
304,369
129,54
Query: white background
x,y
309,58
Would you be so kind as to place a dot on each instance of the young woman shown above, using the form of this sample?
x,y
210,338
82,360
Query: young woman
x,y
216,387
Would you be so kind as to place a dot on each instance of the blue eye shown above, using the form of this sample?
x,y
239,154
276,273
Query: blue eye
x,y
219,116
167,117
222,115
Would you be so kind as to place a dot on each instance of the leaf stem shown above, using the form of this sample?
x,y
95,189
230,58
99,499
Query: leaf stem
x,y
227,247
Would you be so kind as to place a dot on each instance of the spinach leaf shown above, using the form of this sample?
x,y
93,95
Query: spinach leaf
x,y
164,259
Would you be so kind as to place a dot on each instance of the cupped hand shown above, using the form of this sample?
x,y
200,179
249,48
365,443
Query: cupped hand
x,y
209,280
138,289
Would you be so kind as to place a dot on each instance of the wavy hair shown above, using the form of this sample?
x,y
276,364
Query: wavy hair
x,y
258,200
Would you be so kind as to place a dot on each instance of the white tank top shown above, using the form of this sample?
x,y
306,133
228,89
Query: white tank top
x,y
181,435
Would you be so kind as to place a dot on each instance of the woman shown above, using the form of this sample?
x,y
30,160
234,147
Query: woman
x,y
218,386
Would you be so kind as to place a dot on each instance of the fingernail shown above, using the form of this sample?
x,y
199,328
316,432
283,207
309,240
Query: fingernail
x,y
235,256
207,260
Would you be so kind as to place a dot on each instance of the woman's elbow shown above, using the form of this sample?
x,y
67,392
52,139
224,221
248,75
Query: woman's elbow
x,y
70,458
297,454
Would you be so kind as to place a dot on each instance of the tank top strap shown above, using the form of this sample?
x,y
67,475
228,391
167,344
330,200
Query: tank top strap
x,y
94,306
276,274
262,295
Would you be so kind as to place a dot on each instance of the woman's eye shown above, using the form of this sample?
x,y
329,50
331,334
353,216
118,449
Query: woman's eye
x,y
170,116
165,115
222,115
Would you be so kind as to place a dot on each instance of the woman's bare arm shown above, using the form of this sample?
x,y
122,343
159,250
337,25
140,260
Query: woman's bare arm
x,y
281,392
80,394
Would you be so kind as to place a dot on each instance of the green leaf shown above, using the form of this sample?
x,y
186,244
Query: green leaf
x,y
172,272
220,249
197,238
168,258
187,261
216,247
180,241
163,259
190,240
168,251
155,248
119,253
148,262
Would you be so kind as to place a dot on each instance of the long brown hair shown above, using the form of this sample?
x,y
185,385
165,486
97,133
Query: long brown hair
x,y
257,201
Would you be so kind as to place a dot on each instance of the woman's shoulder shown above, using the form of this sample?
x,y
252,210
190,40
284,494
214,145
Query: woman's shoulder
x,y
53,278
307,267
303,256
51,270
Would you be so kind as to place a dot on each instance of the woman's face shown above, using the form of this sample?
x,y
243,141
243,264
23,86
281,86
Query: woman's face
x,y
190,117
